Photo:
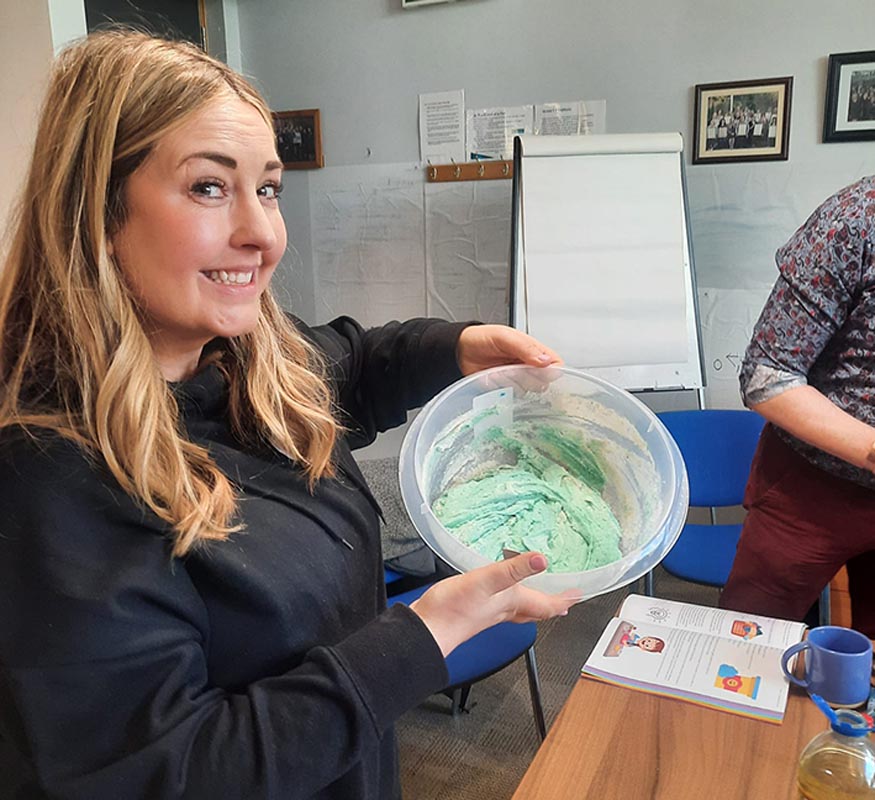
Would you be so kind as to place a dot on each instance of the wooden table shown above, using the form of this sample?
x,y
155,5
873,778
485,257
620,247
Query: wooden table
x,y
612,742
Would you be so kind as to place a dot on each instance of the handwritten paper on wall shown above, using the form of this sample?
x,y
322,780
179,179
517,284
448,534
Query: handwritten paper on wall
x,y
442,127
467,228
367,230
727,319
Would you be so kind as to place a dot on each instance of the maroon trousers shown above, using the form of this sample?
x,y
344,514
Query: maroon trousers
x,y
802,526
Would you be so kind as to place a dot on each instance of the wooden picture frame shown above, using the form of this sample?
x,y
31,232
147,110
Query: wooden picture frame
x,y
849,108
299,138
416,3
742,121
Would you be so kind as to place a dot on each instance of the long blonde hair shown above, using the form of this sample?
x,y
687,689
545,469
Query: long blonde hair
x,y
73,354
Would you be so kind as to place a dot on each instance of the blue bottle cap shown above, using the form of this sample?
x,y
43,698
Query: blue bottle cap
x,y
844,721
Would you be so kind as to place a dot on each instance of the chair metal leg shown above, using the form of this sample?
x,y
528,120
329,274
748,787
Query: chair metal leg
x,y
459,699
648,584
824,613
535,691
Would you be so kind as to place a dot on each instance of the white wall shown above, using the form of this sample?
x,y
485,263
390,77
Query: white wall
x,y
25,53
67,20
30,33
231,23
364,64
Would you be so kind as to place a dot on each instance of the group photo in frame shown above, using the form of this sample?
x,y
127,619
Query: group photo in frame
x,y
849,110
299,138
742,121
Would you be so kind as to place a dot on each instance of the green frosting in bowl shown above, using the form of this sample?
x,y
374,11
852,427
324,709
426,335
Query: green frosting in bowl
x,y
543,493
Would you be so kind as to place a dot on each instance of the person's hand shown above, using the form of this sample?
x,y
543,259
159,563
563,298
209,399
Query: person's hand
x,y
457,608
484,346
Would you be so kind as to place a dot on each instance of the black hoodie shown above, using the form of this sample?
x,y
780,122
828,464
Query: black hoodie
x,y
265,666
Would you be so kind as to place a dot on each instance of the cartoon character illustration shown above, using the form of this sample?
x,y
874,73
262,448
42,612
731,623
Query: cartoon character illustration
x,y
650,644
728,678
626,636
746,628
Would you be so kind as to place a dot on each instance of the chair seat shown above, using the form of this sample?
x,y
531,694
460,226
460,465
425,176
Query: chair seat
x,y
390,576
485,653
703,553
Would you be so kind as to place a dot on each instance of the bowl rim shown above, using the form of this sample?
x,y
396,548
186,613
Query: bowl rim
x,y
411,456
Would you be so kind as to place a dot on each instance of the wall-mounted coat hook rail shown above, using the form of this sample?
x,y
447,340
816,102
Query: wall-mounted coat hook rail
x,y
469,171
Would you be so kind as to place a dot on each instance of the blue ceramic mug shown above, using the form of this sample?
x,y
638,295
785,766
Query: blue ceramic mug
x,y
838,665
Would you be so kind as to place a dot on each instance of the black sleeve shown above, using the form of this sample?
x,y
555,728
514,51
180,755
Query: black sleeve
x,y
104,688
382,373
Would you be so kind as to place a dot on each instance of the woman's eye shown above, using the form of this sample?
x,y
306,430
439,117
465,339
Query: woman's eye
x,y
271,191
209,189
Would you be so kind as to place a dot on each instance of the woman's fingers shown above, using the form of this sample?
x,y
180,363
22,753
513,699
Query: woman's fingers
x,y
501,575
532,380
573,595
530,604
537,354
457,608
483,346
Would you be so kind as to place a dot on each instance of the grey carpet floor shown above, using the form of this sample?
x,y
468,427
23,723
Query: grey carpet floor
x,y
483,754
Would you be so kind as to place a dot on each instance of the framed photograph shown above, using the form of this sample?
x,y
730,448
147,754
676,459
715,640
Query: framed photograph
x,y
299,138
742,121
415,3
849,112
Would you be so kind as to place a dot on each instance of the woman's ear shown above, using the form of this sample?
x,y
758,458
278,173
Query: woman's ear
x,y
110,247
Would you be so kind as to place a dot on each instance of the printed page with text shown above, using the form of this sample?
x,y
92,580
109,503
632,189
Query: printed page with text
x,y
723,659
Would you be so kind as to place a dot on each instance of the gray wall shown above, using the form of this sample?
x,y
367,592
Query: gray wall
x,y
364,63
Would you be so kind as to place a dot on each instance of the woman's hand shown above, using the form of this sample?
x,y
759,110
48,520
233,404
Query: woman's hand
x,y
484,346
457,608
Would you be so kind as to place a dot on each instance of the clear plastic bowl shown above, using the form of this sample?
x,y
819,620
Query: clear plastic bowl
x,y
646,484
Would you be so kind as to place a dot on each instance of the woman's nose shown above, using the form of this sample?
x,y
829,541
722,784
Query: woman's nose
x,y
253,226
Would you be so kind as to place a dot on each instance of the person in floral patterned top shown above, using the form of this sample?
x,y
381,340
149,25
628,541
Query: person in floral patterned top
x,y
810,371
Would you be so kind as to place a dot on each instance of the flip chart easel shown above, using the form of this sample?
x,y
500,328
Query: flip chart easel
x,y
601,257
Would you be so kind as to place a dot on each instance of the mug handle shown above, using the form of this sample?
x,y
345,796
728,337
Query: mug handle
x,y
788,654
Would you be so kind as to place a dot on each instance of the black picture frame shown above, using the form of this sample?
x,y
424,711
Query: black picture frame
x,y
299,138
849,108
742,121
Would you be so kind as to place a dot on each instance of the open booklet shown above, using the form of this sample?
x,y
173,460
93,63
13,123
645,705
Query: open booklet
x,y
727,660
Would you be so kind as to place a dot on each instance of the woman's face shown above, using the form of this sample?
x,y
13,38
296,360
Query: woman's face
x,y
203,232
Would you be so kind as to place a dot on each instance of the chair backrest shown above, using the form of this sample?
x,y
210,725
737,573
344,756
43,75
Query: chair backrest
x,y
717,446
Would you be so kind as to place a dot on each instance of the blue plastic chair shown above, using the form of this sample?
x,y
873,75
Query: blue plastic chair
x,y
390,576
717,447
485,654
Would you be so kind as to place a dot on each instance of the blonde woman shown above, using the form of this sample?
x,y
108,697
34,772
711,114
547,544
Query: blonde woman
x,y
190,573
